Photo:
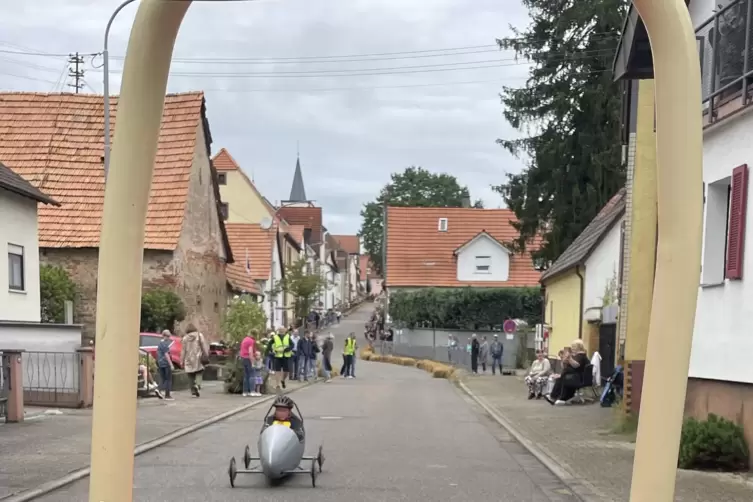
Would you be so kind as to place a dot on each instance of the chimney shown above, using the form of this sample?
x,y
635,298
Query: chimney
x,y
466,202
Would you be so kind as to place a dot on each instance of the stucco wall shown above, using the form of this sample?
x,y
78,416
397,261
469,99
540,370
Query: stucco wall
x,y
562,310
602,267
18,226
499,271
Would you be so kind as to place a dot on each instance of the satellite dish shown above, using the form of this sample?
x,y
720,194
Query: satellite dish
x,y
266,223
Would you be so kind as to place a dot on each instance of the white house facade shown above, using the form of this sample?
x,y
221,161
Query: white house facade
x,y
273,304
19,281
725,297
601,277
483,259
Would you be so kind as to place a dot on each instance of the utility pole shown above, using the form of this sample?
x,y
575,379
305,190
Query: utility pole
x,y
77,72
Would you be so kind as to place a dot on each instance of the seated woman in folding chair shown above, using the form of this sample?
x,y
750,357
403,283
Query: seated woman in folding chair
x,y
573,367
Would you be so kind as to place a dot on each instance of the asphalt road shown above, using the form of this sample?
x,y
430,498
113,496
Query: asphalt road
x,y
391,434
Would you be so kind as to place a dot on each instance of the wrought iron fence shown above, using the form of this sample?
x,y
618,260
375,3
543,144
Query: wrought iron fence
x,y
51,378
4,385
726,55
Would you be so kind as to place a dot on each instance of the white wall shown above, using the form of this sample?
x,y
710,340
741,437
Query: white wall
x,y
483,246
601,267
18,226
722,343
275,276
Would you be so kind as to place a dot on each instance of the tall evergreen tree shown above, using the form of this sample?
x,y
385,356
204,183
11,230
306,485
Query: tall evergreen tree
x,y
571,110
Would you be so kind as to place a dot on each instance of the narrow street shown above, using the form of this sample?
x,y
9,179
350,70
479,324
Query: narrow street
x,y
393,433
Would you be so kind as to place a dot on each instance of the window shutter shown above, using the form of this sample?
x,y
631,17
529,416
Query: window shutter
x,y
738,202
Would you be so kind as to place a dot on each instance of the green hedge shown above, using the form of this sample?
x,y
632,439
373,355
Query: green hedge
x,y
715,444
466,308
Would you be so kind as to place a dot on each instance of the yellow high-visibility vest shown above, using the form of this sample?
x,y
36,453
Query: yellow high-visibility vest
x,y
350,347
280,345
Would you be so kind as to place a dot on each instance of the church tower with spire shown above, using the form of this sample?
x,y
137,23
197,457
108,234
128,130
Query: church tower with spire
x,y
297,190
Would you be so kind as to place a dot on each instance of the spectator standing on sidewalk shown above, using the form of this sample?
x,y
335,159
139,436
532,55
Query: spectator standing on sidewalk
x,y
327,348
258,364
165,365
194,356
248,349
295,338
304,355
496,352
452,344
483,354
349,351
312,358
475,347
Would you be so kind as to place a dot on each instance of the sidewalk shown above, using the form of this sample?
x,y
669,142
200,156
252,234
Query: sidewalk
x,y
579,439
49,446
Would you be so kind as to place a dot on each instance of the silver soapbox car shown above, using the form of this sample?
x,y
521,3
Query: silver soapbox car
x,y
281,451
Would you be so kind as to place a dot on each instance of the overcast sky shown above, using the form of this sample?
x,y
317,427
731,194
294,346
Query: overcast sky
x,y
357,118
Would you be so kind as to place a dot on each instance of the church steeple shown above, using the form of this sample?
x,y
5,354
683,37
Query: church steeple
x,y
297,191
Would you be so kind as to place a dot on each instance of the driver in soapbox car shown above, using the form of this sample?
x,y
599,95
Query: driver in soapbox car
x,y
283,415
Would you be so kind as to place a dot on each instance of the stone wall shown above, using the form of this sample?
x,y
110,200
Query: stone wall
x,y
195,270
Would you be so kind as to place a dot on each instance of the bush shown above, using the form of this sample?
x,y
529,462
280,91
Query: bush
x,y
161,309
714,444
55,288
243,317
466,308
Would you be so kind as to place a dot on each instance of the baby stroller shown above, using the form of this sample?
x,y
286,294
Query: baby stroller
x,y
613,386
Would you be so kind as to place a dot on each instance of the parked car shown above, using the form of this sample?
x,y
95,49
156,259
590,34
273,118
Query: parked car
x,y
219,350
148,343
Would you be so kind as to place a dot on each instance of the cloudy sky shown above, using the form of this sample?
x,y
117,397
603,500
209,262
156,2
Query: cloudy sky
x,y
365,87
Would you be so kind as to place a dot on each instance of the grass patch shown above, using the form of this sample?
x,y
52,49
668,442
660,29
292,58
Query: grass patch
x,y
624,423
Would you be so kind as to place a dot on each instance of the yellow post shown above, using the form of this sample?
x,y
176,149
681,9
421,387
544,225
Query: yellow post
x,y
140,107
679,148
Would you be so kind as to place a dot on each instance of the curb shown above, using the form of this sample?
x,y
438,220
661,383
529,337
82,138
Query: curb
x,y
153,444
579,487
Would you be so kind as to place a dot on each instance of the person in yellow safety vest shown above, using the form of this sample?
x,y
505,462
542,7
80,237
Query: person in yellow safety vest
x,y
282,349
349,352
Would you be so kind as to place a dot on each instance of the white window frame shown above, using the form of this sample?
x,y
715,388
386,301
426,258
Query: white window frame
x,y
483,265
716,232
16,256
442,225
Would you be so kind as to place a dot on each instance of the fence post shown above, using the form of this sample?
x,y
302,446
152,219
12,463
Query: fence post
x,y
86,377
12,360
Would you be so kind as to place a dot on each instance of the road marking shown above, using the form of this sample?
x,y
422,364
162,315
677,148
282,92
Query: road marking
x,y
330,418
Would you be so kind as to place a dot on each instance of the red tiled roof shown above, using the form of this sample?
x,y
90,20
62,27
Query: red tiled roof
x,y
307,217
296,232
223,161
248,239
55,141
349,243
413,240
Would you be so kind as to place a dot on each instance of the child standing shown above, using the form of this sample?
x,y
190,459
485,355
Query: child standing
x,y
258,364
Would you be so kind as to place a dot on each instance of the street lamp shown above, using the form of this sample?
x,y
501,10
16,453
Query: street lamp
x,y
106,72
106,82
679,150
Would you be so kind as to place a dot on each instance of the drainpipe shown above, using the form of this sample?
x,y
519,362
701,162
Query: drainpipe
x,y
582,299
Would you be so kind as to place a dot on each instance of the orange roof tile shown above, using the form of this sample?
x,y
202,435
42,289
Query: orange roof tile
x,y
296,232
308,217
413,240
349,243
55,141
249,239
223,161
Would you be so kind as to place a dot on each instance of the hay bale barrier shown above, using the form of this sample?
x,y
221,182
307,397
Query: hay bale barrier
x,y
437,370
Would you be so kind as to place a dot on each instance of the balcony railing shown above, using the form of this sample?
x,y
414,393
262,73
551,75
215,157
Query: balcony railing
x,y
726,54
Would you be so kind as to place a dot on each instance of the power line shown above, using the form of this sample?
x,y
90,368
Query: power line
x,y
395,70
26,77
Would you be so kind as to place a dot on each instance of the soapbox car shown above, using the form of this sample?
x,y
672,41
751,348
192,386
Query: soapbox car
x,y
281,451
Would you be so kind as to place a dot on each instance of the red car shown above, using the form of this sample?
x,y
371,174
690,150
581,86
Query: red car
x,y
148,343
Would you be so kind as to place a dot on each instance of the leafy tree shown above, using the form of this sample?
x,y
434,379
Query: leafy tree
x,y
243,317
303,286
55,288
161,309
573,107
414,187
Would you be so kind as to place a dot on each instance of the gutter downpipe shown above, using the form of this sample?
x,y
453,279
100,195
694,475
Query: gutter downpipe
x,y
582,300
